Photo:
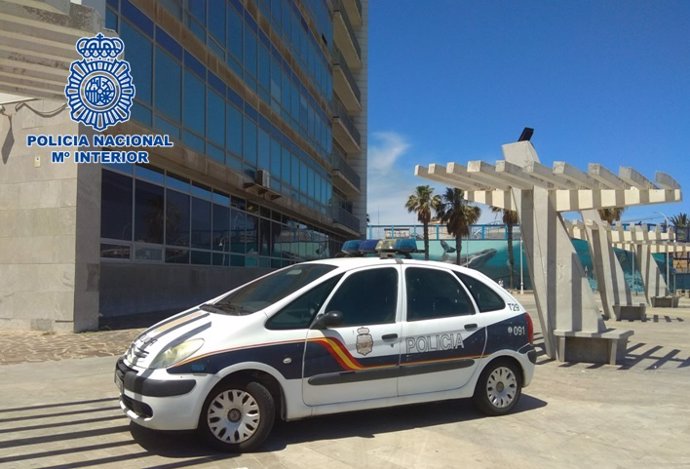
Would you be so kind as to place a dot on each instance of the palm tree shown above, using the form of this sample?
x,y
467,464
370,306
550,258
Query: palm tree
x,y
458,216
422,202
510,219
680,224
611,214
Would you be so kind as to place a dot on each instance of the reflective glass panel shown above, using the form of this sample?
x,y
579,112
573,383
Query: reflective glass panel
x,y
116,206
148,213
168,75
194,103
177,218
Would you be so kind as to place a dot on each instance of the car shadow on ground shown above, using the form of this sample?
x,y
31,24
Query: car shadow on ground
x,y
362,424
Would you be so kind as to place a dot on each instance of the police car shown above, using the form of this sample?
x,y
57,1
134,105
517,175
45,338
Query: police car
x,y
328,336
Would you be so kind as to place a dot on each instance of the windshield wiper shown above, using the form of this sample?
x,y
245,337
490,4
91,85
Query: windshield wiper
x,y
211,308
225,308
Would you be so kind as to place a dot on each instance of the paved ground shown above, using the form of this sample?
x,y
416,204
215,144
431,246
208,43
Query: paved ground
x,y
64,414
21,347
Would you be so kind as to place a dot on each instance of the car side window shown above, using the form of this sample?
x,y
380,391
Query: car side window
x,y
433,294
367,297
485,297
300,312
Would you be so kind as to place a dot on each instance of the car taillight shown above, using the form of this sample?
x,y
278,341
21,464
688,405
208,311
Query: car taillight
x,y
530,328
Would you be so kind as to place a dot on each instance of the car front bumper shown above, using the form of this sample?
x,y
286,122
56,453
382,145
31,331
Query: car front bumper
x,y
161,401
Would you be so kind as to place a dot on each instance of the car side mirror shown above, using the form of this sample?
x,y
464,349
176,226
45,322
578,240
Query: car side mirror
x,y
329,319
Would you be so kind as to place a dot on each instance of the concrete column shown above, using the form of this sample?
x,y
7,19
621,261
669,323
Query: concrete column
x,y
613,288
565,301
49,224
654,284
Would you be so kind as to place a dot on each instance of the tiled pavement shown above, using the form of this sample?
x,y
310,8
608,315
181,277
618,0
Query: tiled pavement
x,y
34,346
64,414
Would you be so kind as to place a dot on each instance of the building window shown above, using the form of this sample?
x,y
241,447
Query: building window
x,y
215,130
116,202
221,228
233,132
235,44
264,151
216,20
201,223
177,219
148,213
250,56
249,141
168,79
194,103
138,54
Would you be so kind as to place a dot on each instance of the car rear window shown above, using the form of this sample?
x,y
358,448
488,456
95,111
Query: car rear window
x,y
434,294
485,296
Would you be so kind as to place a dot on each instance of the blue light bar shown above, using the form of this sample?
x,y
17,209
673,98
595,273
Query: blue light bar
x,y
368,246
351,247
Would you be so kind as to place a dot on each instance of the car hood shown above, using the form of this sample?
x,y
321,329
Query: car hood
x,y
190,324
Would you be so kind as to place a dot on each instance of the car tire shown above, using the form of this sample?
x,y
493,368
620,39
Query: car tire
x,y
237,417
498,389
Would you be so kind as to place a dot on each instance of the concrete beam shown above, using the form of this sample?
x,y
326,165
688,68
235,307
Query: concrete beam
x,y
545,174
498,198
666,181
576,200
486,172
576,177
640,235
605,177
438,173
517,177
634,178
469,180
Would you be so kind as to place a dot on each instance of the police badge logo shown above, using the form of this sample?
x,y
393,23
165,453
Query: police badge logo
x,y
99,87
365,342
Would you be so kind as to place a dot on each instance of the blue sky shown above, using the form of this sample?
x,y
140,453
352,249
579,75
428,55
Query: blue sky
x,y
600,81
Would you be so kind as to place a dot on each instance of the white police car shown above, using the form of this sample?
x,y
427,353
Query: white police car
x,y
328,336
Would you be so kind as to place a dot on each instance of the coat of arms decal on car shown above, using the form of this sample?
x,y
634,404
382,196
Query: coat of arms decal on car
x,y
365,342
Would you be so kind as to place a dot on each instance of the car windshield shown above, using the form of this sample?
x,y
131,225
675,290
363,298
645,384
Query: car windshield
x,y
259,294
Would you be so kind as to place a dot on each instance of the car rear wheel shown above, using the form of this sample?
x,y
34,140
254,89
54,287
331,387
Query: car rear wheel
x,y
498,388
237,417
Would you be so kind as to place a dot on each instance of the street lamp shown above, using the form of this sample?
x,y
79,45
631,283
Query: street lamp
x,y
668,266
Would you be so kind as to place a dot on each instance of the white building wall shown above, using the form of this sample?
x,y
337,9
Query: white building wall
x,y
48,268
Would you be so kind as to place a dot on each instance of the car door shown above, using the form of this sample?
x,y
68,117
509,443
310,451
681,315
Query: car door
x,y
358,358
443,336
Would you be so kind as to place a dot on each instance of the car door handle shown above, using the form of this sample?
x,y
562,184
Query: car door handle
x,y
389,336
470,327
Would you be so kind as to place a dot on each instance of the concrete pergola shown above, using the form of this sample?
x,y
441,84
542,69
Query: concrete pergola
x,y
616,296
644,242
571,323
682,248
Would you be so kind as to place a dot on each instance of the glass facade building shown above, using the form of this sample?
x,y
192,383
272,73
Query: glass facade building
x,y
250,86
265,102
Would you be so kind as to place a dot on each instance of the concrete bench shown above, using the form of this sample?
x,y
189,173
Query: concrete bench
x,y
665,301
592,347
630,312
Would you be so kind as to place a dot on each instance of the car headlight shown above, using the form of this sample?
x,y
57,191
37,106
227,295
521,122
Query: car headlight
x,y
176,353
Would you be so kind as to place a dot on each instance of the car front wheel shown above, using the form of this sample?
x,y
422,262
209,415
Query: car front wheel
x,y
237,417
498,388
